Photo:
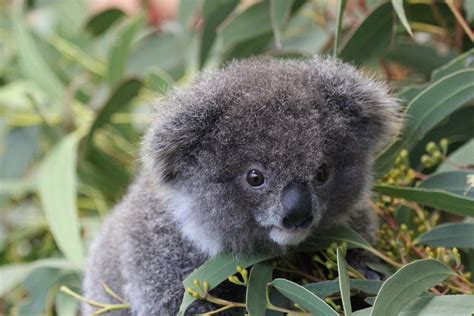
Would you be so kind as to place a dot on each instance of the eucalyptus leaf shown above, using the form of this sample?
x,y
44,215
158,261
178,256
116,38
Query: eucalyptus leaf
x,y
340,13
214,16
121,97
406,284
303,297
446,191
256,296
344,283
371,36
120,50
427,109
57,187
252,22
31,62
460,235
102,21
324,289
13,274
214,271
398,6
463,61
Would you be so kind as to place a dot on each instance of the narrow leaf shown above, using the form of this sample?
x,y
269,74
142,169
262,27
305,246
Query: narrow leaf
x,y
439,199
427,109
406,284
460,235
252,22
279,13
463,61
13,274
256,296
32,64
440,306
337,33
119,52
57,188
214,271
340,234
324,289
214,16
344,284
303,297
119,99
101,22
372,36
398,6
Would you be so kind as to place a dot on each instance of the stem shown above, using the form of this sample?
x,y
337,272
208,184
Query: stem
x,y
384,257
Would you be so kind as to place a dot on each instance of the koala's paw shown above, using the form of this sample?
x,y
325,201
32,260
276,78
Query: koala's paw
x,y
358,259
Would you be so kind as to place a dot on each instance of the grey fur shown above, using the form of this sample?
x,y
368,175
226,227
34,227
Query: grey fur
x,y
191,201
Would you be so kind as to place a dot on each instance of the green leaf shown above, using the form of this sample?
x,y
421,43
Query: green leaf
x,y
426,110
102,21
452,181
344,283
371,37
303,297
214,271
440,306
423,58
32,64
469,8
119,99
254,21
440,199
279,13
159,81
461,62
398,6
406,284
460,235
256,296
324,289
13,274
459,305
120,50
57,188
215,15
337,33
323,239
463,156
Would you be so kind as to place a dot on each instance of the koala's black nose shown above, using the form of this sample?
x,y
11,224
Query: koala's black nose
x,y
296,202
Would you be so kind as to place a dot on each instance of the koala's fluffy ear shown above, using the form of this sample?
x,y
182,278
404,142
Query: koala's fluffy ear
x,y
363,101
176,134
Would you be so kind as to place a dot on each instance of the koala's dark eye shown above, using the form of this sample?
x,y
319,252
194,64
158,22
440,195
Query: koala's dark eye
x,y
255,178
322,174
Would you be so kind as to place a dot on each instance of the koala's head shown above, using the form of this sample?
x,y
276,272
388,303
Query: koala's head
x,y
256,155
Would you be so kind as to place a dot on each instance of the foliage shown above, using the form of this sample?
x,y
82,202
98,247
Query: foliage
x,y
76,91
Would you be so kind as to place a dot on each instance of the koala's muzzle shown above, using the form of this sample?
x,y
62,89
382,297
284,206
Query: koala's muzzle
x,y
296,202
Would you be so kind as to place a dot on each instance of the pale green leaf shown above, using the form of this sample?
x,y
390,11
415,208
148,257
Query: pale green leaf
x,y
428,109
214,271
460,235
256,298
344,283
57,187
407,284
398,6
303,297
13,274
120,50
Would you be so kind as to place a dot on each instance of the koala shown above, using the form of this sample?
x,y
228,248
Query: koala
x,y
252,158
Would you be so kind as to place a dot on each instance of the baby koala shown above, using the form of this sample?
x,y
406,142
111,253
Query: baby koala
x,y
253,158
